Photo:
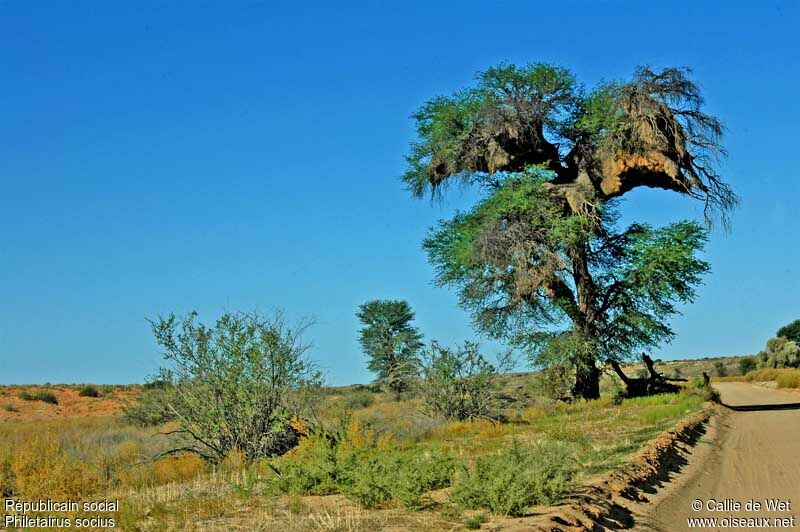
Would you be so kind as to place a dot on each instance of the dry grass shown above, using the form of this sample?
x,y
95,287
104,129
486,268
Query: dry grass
x,y
782,377
84,454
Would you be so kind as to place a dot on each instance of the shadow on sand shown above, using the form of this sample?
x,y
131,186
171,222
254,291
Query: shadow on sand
x,y
758,408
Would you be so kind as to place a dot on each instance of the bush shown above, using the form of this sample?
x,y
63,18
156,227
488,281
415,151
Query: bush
x,y
358,399
237,385
475,522
555,382
458,383
89,391
378,477
720,369
151,408
10,408
697,388
746,365
362,466
39,395
509,482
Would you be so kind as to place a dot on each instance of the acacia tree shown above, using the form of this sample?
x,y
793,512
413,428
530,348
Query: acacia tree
x,y
390,341
541,261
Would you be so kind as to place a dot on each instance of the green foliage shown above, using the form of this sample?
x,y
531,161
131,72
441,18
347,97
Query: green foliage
x,y
152,407
8,407
554,382
509,257
474,522
453,131
540,261
791,331
746,365
366,471
458,383
696,388
508,482
46,396
358,399
390,341
235,386
720,369
89,390
374,478
779,353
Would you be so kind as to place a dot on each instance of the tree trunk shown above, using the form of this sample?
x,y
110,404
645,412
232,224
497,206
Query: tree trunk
x,y
654,384
587,380
587,375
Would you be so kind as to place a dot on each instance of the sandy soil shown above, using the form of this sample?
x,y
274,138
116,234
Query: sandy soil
x,y
70,403
752,452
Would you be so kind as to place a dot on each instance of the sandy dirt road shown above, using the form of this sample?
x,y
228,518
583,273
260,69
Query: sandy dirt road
x,y
753,453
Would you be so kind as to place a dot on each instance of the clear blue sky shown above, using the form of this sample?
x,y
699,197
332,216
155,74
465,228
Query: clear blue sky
x,y
170,156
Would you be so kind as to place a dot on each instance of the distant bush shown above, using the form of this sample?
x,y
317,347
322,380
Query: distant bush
x,y
89,391
746,365
696,387
555,382
10,408
39,395
720,369
779,353
509,482
458,383
151,408
358,400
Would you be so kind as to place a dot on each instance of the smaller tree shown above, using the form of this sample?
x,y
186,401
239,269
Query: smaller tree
x,y
390,341
235,386
780,353
790,331
459,383
746,365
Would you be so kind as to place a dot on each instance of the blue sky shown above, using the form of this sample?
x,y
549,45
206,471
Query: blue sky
x,y
217,156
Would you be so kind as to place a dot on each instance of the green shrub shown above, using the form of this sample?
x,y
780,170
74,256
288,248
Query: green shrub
x,y
152,408
238,384
509,482
555,382
10,408
358,400
89,391
697,388
366,471
310,470
39,395
720,368
474,522
458,383
746,365
376,477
